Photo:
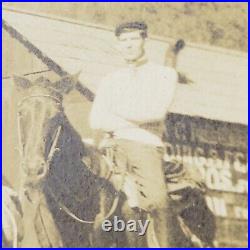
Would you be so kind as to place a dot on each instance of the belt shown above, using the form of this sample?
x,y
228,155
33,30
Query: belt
x,y
156,128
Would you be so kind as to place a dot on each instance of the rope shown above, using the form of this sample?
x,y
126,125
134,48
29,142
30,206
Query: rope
x,y
83,221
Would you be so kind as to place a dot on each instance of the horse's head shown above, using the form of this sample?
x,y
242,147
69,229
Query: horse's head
x,y
36,112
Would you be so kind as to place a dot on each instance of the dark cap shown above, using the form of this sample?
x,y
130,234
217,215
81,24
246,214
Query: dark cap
x,y
131,26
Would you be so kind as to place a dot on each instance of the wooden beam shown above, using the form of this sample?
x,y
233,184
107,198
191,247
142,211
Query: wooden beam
x,y
52,65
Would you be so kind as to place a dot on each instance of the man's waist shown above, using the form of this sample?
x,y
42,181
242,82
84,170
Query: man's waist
x,y
154,127
141,134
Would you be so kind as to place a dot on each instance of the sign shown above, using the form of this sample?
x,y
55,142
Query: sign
x,y
219,151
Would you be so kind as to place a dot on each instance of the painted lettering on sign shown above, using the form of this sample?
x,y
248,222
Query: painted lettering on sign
x,y
228,174
219,151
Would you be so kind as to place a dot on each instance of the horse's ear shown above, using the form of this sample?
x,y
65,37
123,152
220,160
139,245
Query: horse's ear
x,y
67,83
22,82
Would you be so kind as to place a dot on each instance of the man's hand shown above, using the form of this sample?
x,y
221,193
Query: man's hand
x,y
98,136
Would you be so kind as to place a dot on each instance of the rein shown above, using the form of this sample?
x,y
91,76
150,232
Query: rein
x,y
114,204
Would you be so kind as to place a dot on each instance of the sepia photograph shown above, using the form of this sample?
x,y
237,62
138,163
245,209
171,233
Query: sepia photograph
x,y
125,124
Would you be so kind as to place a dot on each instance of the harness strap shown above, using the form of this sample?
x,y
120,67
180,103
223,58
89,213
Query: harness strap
x,y
53,148
58,100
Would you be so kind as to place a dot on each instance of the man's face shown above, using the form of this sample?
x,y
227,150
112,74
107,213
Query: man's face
x,y
131,45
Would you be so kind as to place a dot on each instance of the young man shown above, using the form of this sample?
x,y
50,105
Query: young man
x,y
131,105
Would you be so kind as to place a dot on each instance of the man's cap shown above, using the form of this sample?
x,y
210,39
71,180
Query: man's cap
x,y
130,26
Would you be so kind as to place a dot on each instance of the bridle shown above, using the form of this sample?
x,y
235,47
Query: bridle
x,y
56,99
51,154
53,148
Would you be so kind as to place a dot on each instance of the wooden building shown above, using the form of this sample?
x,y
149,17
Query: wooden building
x,y
207,126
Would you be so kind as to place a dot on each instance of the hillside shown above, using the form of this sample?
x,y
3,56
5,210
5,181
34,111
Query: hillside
x,y
219,24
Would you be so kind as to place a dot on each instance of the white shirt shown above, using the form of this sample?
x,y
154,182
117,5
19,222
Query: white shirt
x,y
141,93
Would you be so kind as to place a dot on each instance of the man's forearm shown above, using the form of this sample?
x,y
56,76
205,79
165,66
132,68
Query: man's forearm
x,y
98,136
110,122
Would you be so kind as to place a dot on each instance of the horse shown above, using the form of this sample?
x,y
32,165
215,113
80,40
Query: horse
x,y
57,188
63,198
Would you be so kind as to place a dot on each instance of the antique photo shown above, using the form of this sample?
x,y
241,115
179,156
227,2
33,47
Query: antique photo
x,y
124,124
